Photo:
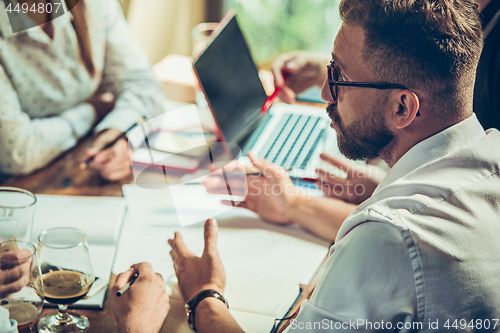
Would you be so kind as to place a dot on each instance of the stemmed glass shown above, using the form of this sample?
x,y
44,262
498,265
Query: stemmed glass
x,y
67,277
21,290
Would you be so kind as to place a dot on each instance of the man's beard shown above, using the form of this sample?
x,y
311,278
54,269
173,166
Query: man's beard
x,y
366,139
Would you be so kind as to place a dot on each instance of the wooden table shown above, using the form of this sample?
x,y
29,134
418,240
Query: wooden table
x,y
63,177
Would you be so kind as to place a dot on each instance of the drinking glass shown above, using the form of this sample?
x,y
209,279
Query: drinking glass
x,y
67,276
21,290
16,213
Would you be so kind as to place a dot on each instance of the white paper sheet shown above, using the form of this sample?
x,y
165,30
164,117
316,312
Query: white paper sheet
x,y
174,206
98,217
246,245
250,249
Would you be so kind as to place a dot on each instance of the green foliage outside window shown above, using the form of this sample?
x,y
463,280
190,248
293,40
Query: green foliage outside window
x,y
272,27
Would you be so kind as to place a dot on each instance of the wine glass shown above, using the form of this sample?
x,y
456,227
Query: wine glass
x,y
67,276
21,290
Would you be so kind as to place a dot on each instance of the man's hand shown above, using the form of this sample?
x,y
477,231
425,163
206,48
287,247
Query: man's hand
x,y
303,70
270,195
14,272
145,305
355,188
113,163
196,274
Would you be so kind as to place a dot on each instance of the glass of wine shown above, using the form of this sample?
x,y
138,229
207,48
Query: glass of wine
x,y
21,290
67,276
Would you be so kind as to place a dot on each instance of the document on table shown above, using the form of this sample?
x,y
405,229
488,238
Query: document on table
x,y
99,217
175,205
265,263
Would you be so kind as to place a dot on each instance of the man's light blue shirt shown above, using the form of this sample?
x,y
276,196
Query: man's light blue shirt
x,y
423,253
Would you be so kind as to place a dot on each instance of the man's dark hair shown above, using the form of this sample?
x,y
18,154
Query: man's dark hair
x,y
429,45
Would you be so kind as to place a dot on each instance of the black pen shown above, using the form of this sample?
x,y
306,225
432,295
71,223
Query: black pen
x,y
127,286
84,165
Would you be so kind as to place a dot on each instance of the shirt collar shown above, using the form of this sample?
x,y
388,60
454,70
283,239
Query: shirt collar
x,y
462,134
459,135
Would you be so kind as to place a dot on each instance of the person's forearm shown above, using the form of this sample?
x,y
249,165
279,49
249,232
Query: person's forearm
x,y
320,215
211,315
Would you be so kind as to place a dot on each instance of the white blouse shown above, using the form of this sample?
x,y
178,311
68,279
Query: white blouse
x,y
43,85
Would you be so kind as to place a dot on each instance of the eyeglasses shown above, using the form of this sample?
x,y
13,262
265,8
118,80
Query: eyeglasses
x,y
334,83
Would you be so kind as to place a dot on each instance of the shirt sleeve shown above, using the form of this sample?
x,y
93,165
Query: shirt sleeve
x,y
7,325
28,144
368,285
127,74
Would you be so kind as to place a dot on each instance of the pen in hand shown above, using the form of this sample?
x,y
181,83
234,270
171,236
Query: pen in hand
x,y
272,97
120,292
110,144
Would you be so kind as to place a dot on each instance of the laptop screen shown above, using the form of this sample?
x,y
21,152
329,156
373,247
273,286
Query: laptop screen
x,y
231,83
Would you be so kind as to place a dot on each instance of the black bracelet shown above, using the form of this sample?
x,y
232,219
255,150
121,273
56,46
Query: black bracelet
x,y
193,302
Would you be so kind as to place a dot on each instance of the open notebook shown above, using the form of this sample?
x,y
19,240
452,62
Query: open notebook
x,y
99,217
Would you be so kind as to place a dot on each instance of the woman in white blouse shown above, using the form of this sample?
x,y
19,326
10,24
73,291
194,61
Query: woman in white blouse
x,y
52,78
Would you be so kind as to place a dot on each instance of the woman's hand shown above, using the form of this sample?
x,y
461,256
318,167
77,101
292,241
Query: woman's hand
x,y
113,164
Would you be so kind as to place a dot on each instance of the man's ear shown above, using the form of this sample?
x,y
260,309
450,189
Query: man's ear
x,y
407,109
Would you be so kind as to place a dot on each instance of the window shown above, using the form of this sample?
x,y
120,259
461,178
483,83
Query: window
x,y
272,27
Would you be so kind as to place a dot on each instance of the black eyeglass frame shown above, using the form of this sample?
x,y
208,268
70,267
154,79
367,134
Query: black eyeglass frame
x,y
335,83
375,85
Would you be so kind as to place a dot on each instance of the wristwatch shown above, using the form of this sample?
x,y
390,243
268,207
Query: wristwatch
x,y
193,302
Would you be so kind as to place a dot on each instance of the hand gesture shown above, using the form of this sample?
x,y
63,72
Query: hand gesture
x,y
302,70
196,274
356,187
270,195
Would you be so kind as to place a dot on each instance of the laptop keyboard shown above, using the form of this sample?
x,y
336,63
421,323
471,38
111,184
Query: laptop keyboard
x,y
294,140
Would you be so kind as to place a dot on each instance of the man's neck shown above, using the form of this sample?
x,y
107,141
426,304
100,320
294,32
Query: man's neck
x,y
408,140
483,4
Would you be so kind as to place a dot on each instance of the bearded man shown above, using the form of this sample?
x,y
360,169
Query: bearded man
x,y
423,252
